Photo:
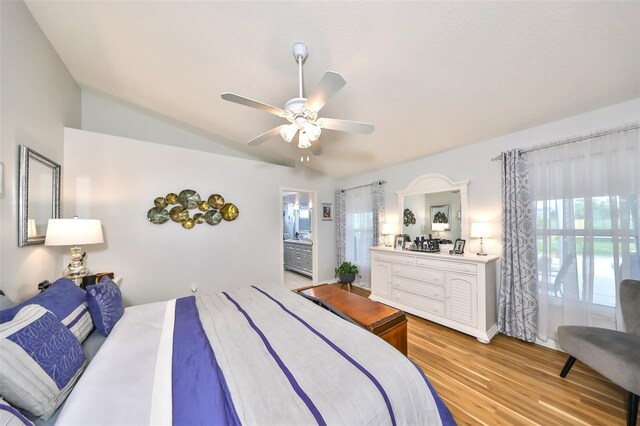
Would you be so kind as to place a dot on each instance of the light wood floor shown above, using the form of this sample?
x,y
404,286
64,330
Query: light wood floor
x,y
294,280
510,382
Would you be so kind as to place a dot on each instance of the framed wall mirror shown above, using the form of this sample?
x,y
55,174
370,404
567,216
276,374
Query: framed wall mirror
x,y
38,196
439,205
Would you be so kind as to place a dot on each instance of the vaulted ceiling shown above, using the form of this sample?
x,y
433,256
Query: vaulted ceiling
x,y
431,76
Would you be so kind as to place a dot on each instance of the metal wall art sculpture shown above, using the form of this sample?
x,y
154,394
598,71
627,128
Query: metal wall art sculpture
x,y
211,211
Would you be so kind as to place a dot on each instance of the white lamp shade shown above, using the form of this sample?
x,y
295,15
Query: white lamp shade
x,y
312,131
438,226
303,141
389,229
480,230
73,232
288,131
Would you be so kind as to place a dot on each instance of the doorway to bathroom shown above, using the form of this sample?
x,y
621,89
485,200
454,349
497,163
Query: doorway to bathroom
x,y
299,251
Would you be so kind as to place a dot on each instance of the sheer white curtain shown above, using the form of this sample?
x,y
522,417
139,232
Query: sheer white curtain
x,y
359,231
585,200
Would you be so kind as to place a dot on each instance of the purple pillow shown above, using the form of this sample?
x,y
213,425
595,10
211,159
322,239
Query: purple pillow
x,y
66,301
105,304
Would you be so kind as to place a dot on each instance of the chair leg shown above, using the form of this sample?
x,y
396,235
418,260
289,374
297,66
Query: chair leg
x,y
567,366
632,409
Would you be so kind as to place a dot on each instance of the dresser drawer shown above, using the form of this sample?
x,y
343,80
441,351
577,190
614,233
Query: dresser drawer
x,y
404,260
422,289
420,274
424,303
465,267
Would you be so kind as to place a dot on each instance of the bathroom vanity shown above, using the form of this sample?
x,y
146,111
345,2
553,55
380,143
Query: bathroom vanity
x,y
298,256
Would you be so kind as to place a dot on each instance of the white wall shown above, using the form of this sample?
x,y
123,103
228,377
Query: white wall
x,y
38,97
104,115
116,179
474,163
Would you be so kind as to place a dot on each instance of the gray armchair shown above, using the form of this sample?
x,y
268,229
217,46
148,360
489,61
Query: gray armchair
x,y
614,354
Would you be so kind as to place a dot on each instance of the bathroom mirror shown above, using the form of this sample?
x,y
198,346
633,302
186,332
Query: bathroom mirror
x,y
297,211
38,196
439,206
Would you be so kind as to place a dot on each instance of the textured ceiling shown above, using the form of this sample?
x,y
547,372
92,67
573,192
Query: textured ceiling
x,y
431,76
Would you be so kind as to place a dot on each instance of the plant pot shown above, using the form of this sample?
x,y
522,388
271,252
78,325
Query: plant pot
x,y
347,278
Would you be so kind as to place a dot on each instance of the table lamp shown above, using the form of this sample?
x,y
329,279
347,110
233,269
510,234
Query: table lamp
x,y
388,229
74,232
481,230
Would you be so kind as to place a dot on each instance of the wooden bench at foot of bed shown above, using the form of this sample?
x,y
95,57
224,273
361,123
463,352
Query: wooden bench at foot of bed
x,y
388,323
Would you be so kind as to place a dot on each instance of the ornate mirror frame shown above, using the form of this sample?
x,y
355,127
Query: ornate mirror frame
x,y
50,200
432,183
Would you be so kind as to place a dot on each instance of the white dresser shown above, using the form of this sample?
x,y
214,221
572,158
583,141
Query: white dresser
x,y
457,291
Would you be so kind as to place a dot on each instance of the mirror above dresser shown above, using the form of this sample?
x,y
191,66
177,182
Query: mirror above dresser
x,y
434,204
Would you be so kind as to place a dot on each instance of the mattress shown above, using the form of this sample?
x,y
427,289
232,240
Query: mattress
x,y
257,356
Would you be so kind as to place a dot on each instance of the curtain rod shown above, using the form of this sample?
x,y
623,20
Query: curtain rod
x,y
379,182
578,139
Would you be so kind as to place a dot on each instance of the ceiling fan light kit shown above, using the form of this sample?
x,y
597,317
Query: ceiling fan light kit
x,y
288,131
302,113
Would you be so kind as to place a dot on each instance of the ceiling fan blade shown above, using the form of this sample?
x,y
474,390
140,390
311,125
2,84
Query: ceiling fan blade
x,y
346,125
232,97
330,84
265,136
316,148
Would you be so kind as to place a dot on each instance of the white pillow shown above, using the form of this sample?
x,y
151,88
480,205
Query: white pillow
x,y
41,361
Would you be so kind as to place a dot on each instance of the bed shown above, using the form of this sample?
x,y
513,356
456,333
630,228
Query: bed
x,y
257,355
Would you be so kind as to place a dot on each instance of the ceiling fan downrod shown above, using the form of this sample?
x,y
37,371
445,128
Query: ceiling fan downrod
x,y
300,52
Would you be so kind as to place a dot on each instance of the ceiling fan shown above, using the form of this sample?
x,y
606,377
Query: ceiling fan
x,y
302,113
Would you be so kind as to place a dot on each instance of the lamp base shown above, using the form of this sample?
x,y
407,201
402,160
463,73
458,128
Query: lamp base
x,y
76,269
481,252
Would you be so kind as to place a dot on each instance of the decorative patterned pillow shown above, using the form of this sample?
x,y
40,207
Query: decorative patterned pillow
x,y
66,301
105,304
9,416
41,361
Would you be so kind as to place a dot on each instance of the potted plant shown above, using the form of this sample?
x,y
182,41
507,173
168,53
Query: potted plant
x,y
346,272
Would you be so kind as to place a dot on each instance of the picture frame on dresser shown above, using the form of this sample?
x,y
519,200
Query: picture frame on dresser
x,y
458,246
399,243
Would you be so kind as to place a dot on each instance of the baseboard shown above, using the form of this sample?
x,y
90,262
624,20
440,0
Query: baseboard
x,y
550,343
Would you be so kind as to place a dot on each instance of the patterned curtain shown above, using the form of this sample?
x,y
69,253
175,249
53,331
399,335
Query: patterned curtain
x,y
340,217
378,211
517,298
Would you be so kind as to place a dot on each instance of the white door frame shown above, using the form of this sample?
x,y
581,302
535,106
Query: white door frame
x,y
314,231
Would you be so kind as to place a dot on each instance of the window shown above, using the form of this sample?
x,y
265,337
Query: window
x,y
304,223
585,201
587,241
